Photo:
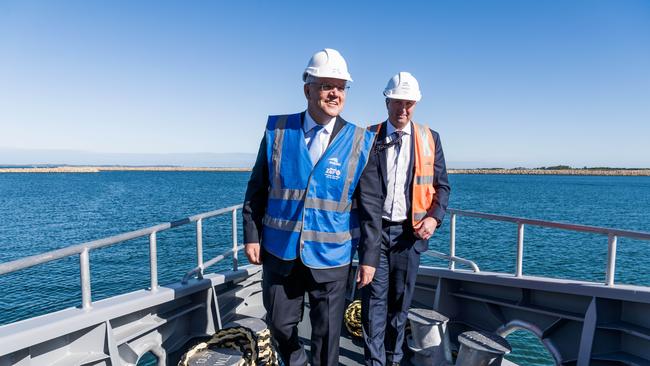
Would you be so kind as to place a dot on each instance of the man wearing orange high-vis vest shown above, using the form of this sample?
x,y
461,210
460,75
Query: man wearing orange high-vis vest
x,y
415,192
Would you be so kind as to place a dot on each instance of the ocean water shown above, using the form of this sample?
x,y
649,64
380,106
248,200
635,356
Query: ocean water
x,y
41,212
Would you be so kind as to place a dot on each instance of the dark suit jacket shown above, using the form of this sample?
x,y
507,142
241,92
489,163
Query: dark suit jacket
x,y
366,198
440,182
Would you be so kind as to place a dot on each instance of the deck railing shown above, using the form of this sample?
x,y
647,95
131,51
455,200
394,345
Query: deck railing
x,y
612,237
452,259
83,250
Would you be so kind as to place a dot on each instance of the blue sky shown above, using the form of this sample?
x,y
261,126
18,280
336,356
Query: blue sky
x,y
505,83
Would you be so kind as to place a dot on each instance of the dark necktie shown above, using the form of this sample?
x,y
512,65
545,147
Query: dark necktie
x,y
395,140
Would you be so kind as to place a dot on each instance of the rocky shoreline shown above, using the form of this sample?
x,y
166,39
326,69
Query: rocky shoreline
x,y
97,169
612,172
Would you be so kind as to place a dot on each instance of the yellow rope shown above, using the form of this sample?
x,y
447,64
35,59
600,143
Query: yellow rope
x,y
240,339
352,319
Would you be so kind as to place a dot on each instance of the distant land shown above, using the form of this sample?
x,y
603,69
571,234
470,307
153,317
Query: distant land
x,y
537,171
555,170
97,169
14,160
29,158
11,157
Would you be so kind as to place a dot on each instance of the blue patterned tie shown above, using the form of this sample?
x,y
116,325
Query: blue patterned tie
x,y
397,140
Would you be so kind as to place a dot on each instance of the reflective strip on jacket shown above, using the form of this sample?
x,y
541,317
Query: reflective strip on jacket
x,y
309,207
425,152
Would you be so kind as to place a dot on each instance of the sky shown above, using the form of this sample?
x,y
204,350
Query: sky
x,y
505,83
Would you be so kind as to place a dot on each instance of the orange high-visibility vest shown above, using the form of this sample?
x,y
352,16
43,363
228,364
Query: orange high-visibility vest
x,y
425,153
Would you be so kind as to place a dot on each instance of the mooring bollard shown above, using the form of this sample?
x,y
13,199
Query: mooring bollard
x,y
429,339
481,349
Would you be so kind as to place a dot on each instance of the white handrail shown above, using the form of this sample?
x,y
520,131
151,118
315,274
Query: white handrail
x,y
612,235
83,250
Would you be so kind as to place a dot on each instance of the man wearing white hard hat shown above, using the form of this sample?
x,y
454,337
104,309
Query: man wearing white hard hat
x,y
299,221
415,191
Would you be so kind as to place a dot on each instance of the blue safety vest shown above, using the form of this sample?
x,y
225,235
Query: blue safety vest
x,y
309,211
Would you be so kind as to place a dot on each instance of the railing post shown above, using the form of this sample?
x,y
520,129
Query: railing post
x,y
520,250
153,261
84,266
199,242
611,260
235,260
452,241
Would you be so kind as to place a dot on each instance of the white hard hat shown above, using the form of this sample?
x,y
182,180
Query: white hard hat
x,y
403,86
327,63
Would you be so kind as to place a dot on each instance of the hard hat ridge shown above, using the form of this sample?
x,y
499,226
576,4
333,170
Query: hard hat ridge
x,y
327,63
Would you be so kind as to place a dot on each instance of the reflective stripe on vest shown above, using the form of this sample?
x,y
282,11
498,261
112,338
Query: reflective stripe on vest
x,y
310,211
423,189
287,194
284,225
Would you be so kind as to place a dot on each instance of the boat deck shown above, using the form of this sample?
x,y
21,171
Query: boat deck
x,y
351,349
576,322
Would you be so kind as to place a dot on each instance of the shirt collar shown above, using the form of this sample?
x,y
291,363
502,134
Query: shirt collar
x,y
390,128
309,123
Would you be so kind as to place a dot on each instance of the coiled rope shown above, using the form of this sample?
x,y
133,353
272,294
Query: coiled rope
x,y
352,319
255,348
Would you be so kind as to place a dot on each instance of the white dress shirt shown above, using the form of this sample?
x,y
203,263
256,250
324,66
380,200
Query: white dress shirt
x,y
396,170
323,136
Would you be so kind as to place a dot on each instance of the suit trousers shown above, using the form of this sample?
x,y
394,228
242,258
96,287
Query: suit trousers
x,y
386,300
284,302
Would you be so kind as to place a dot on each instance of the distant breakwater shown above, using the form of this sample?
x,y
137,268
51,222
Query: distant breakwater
x,y
97,169
609,172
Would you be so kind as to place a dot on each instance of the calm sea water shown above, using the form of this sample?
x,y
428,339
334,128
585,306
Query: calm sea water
x,y
41,212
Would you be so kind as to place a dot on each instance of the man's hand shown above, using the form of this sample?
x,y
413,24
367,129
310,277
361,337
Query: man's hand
x,y
253,253
365,275
426,228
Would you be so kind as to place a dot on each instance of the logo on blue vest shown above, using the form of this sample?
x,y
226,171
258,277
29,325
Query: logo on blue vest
x,y
332,171
334,161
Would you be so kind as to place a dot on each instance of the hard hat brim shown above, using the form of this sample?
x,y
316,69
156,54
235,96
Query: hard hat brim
x,y
306,73
415,98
